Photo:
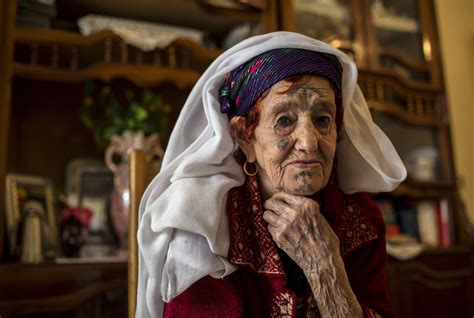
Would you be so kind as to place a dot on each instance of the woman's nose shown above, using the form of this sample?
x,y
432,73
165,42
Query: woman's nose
x,y
307,136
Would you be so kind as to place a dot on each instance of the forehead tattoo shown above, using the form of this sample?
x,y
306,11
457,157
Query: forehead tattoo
x,y
304,90
307,87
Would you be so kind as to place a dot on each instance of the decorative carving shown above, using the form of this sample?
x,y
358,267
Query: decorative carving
x,y
409,104
74,58
108,52
172,57
437,279
54,56
34,53
123,52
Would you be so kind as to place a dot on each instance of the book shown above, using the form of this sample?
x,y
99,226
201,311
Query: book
x,y
389,216
428,222
408,219
443,217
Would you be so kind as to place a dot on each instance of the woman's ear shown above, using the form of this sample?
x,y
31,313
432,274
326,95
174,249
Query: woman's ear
x,y
245,142
247,148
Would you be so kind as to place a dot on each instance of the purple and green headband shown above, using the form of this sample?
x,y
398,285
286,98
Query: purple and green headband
x,y
249,81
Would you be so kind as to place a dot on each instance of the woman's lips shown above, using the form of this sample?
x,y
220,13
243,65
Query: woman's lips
x,y
305,164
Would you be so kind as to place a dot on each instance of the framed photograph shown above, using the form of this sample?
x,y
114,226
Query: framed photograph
x,y
27,189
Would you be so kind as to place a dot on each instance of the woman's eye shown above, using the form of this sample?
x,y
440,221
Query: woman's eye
x,y
284,121
323,121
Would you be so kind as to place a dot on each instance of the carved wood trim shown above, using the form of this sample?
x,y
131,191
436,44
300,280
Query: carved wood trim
x,y
7,26
434,284
427,271
418,107
50,54
141,75
54,36
359,15
396,110
405,60
430,34
436,279
423,190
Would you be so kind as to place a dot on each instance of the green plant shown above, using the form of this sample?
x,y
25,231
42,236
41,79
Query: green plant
x,y
109,112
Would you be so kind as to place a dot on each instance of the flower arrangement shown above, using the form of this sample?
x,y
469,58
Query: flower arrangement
x,y
109,112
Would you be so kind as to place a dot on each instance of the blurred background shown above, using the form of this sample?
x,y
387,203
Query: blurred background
x,y
90,91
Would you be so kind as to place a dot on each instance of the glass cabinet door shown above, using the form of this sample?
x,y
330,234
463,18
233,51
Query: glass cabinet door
x,y
326,20
418,147
397,31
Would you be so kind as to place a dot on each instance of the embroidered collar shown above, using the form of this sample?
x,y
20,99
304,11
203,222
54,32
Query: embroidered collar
x,y
251,245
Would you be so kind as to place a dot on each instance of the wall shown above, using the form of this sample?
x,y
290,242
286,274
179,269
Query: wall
x,y
456,32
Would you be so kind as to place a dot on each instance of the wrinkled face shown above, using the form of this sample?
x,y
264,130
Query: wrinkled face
x,y
295,140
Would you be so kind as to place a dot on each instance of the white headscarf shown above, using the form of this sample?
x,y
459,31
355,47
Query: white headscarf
x,y
183,233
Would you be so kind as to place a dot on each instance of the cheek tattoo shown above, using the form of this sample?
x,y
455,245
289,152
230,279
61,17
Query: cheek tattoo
x,y
283,144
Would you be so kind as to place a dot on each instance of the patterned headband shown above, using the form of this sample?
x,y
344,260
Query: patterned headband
x,y
249,81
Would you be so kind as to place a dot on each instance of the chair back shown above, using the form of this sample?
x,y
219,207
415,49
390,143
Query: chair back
x,y
140,176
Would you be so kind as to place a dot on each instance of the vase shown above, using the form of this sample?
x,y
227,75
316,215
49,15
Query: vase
x,y
117,159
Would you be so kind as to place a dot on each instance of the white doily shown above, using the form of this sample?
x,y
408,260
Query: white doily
x,y
144,35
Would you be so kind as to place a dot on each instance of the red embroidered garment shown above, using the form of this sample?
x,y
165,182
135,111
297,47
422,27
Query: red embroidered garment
x,y
268,283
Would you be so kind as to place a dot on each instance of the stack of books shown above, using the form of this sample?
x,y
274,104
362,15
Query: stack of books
x,y
428,222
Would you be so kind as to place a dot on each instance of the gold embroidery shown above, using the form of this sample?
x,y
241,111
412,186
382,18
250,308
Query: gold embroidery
x,y
354,229
252,244
282,306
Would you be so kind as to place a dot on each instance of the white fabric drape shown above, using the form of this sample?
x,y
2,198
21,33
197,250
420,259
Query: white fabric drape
x,y
183,232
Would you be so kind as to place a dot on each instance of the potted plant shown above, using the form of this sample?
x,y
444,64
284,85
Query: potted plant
x,y
121,120
109,112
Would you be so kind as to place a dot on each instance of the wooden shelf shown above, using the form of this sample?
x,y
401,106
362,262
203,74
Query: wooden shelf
x,y
141,75
405,60
55,36
72,57
421,190
403,82
396,110
51,287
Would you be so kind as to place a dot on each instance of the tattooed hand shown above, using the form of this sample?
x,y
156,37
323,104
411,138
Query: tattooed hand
x,y
299,229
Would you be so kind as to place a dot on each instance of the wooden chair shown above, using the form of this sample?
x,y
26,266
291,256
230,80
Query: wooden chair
x,y
140,176
183,70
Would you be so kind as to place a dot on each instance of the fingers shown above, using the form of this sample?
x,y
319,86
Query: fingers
x,y
280,208
291,206
290,199
271,218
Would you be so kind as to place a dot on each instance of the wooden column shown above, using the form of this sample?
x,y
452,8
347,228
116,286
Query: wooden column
x,y
7,30
138,183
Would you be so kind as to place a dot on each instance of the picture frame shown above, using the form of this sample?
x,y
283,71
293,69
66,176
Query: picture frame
x,y
21,188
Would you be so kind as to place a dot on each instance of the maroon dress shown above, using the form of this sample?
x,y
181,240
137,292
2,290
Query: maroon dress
x,y
268,283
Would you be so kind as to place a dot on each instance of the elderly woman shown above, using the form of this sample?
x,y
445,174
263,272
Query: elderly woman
x,y
258,210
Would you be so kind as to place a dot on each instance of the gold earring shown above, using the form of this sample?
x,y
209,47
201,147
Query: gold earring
x,y
247,172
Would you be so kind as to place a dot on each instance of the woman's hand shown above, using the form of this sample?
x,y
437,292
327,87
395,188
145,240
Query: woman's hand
x,y
299,229
302,232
